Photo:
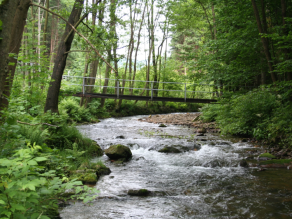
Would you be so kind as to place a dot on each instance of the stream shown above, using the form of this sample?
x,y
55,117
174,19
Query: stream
x,y
205,181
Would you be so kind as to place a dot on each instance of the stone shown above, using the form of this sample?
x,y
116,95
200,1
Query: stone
x,y
86,178
266,156
243,163
169,149
120,137
115,152
162,125
94,150
201,130
140,192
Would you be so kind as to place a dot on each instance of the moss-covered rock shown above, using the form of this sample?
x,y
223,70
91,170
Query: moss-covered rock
x,y
276,163
86,178
119,151
94,150
162,125
102,170
175,149
266,156
169,149
140,192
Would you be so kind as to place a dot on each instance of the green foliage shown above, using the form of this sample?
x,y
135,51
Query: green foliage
x,y
34,134
74,111
263,113
243,113
64,136
27,193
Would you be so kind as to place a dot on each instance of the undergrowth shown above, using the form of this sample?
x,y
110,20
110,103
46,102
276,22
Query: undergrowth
x,y
264,113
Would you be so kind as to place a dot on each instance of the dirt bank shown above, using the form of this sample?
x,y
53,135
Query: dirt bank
x,y
188,119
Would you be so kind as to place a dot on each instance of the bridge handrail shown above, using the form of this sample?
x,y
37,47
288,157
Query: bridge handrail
x,y
152,89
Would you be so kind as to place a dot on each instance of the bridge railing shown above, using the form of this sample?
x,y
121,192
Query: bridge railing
x,y
145,88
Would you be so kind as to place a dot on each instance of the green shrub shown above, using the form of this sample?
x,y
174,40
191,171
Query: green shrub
x,y
34,134
243,113
210,112
64,137
27,193
74,111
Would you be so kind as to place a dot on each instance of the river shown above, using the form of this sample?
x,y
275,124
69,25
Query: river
x,y
203,182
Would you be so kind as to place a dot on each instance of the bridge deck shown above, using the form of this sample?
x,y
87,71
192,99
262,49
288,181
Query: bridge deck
x,y
144,98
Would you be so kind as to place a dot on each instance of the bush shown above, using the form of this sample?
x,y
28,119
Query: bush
x,y
27,193
64,137
74,111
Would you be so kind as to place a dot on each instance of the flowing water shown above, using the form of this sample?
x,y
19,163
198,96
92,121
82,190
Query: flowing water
x,y
205,181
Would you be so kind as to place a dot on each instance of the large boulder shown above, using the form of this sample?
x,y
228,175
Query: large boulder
x,y
118,151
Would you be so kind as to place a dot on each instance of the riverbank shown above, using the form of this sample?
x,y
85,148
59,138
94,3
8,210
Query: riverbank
x,y
281,158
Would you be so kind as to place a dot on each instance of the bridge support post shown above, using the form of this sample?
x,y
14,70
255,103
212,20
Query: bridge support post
x,y
151,91
185,92
118,89
83,84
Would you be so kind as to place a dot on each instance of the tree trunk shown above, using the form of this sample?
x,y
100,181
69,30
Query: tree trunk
x,y
107,71
16,28
95,62
7,12
286,32
60,61
138,44
264,42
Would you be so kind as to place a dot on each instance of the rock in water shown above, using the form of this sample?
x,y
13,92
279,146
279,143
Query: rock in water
x,y
140,192
115,152
162,125
201,130
243,163
169,149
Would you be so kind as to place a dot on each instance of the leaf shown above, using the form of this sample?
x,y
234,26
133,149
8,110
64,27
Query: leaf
x,y
18,207
2,202
32,163
38,159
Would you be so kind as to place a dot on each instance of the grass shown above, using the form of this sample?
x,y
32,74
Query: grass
x,y
276,161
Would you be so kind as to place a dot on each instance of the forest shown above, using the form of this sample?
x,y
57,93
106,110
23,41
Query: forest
x,y
237,52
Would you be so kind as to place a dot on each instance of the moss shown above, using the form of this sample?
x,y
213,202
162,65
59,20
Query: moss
x,y
86,178
169,150
94,150
276,161
267,155
116,152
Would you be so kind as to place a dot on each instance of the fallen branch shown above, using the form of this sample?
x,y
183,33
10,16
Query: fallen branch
x,y
76,25
89,43
38,124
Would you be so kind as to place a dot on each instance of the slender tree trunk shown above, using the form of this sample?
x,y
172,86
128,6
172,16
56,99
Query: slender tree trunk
x,y
60,61
107,72
138,44
94,64
264,42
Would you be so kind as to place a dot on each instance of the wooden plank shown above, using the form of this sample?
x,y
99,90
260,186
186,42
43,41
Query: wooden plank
x,y
144,98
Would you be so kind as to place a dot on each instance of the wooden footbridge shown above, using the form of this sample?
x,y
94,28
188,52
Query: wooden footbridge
x,y
143,90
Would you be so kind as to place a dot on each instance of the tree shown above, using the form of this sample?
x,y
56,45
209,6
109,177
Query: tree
x,y
13,16
61,57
